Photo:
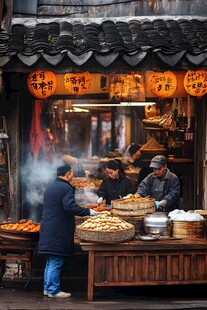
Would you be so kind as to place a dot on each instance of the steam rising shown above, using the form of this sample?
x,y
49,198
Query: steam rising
x,y
36,178
86,196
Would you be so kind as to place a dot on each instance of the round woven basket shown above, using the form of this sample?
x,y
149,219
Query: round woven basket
x,y
121,207
105,236
191,230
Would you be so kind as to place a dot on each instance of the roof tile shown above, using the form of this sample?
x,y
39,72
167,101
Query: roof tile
x,y
165,38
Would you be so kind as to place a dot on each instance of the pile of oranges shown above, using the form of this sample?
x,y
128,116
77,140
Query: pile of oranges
x,y
97,208
22,225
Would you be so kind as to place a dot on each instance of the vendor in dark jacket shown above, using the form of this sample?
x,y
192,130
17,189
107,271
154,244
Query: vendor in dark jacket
x,y
116,184
56,239
162,185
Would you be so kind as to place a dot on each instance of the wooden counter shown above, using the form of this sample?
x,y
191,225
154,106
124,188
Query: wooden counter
x,y
137,263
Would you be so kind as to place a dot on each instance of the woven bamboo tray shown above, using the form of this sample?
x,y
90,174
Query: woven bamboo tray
x,y
191,229
105,236
141,207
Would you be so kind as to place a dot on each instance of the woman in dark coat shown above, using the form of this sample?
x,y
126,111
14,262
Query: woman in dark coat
x,y
116,184
57,228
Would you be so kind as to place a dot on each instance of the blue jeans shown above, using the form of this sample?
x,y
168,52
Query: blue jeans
x,y
52,273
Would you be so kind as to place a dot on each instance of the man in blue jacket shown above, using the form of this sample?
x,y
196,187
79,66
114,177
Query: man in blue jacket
x,y
57,228
162,185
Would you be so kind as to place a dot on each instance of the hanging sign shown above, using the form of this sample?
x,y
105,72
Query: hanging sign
x,y
163,84
42,84
195,82
77,83
127,87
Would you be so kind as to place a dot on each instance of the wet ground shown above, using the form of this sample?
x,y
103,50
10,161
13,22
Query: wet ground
x,y
14,296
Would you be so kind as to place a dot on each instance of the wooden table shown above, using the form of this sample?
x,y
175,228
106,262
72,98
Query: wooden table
x,y
16,250
138,263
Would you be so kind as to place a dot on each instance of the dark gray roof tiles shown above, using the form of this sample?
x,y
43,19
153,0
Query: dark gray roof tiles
x,y
134,40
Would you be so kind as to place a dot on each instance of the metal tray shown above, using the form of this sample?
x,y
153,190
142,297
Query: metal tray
x,y
18,235
149,237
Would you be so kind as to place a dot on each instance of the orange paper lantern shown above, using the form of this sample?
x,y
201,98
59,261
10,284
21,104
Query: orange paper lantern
x,y
42,84
163,84
77,83
195,82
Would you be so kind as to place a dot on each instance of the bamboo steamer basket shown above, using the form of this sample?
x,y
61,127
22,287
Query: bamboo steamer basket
x,y
188,229
105,236
121,207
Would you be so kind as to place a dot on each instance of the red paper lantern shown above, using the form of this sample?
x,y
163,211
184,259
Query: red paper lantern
x,y
77,83
163,84
41,83
195,82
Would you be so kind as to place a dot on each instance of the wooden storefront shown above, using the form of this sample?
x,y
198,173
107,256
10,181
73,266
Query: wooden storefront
x,y
103,56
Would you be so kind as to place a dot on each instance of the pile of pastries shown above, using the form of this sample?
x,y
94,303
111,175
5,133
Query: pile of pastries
x,y
104,222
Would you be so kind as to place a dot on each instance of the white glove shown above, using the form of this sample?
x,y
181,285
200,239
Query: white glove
x,y
128,196
93,213
100,200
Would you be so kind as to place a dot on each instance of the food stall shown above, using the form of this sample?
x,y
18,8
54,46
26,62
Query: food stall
x,y
126,246
166,251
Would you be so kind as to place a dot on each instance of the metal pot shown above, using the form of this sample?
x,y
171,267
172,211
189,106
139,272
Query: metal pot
x,y
158,223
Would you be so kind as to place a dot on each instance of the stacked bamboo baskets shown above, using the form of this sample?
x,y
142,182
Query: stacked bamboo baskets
x,y
188,229
133,206
133,210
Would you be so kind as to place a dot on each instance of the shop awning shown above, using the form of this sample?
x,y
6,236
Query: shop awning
x,y
134,40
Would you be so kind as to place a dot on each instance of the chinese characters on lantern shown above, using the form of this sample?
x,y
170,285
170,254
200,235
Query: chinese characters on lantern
x,y
163,84
195,82
42,84
77,83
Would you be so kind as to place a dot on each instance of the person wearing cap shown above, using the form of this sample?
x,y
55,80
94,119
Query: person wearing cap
x,y
57,226
162,185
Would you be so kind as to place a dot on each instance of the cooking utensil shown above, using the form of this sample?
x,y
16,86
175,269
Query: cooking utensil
x,y
157,223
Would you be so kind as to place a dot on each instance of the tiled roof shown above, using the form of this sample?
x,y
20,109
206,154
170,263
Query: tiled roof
x,y
170,40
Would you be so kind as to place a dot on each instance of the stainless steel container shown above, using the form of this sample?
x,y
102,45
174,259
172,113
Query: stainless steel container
x,y
158,223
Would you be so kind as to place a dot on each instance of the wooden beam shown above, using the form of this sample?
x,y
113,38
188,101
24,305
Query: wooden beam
x,y
7,18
